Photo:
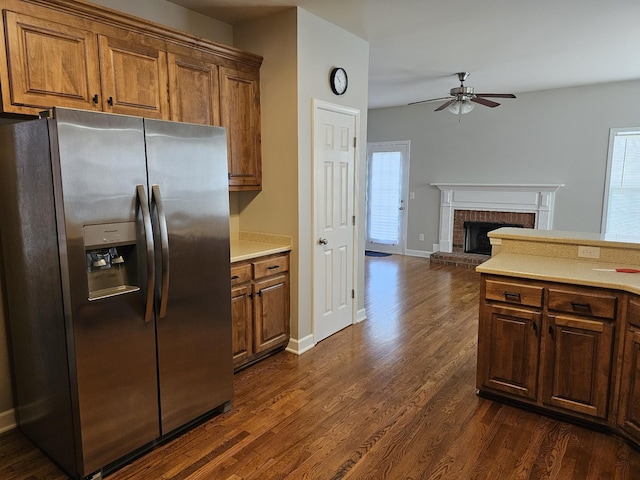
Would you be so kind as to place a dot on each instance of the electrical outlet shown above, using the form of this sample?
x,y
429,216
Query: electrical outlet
x,y
588,252
421,237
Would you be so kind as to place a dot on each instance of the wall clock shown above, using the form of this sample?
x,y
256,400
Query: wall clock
x,y
339,81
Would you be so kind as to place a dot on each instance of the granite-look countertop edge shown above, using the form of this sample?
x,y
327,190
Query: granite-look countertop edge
x,y
562,270
250,245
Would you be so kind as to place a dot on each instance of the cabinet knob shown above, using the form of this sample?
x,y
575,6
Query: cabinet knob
x,y
322,241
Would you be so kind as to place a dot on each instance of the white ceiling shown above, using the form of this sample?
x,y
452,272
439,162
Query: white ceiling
x,y
509,46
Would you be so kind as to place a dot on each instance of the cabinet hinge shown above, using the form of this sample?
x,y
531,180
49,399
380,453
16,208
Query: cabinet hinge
x,y
353,293
353,220
355,142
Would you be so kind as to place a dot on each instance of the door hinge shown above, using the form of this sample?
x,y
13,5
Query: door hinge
x,y
353,220
353,293
355,142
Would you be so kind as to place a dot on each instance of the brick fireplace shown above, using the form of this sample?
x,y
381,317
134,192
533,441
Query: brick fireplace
x,y
528,205
526,220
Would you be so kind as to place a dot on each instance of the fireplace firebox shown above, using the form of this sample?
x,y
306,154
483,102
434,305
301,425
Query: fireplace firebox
x,y
476,239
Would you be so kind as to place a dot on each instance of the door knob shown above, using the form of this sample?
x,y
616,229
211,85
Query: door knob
x,y
322,241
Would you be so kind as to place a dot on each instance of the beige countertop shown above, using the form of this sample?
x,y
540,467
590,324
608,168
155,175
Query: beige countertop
x,y
563,237
564,270
553,255
248,245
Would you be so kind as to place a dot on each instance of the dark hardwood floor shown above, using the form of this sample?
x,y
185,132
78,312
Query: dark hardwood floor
x,y
390,398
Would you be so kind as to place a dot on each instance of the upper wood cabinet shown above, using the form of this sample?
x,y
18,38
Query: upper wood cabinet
x,y
50,64
134,76
73,54
195,89
240,115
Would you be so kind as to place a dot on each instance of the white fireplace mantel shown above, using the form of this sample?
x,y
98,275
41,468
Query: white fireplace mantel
x,y
527,198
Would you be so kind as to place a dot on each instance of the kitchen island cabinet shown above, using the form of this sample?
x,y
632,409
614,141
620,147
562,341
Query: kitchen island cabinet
x,y
556,353
559,333
78,55
629,416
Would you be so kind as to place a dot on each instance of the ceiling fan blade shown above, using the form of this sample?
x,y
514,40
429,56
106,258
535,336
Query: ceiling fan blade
x,y
485,102
445,105
430,100
496,95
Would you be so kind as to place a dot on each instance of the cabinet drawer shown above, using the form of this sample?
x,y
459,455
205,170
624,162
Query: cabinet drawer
x,y
634,312
240,273
583,302
517,293
270,266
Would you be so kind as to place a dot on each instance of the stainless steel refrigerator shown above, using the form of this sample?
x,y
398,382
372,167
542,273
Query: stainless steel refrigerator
x,y
115,248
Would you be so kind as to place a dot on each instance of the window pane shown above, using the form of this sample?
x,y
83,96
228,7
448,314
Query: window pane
x,y
623,207
384,195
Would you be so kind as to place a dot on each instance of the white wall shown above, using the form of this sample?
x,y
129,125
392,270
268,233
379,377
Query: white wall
x,y
553,136
175,16
285,204
322,46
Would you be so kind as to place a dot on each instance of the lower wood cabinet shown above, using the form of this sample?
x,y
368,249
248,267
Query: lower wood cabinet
x,y
549,345
566,349
629,412
511,344
260,301
577,374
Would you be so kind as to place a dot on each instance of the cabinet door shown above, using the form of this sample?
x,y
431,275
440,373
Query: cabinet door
x,y
629,418
194,90
50,64
578,364
509,350
271,302
241,315
134,76
240,114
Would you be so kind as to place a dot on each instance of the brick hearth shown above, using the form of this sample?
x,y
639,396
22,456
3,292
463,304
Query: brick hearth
x,y
467,260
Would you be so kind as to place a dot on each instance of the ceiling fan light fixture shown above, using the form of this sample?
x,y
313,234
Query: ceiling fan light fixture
x,y
460,107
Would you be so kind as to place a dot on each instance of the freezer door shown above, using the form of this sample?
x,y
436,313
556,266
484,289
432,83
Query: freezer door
x,y
187,169
98,162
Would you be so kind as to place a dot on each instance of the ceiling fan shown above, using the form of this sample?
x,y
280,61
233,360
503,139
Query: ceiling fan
x,y
462,99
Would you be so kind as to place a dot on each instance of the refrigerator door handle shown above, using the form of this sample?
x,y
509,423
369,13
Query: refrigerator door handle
x,y
156,198
148,238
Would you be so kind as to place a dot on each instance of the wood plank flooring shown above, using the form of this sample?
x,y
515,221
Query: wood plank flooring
x,y
390,398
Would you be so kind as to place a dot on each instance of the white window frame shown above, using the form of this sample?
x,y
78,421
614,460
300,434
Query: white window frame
x,y
613,132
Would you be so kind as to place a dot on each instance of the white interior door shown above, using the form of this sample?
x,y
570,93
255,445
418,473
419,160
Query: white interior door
x,y
387,180
334,177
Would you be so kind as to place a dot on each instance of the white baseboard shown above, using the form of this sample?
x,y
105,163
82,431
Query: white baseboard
x,y
361,315
7,420
300,346
418,253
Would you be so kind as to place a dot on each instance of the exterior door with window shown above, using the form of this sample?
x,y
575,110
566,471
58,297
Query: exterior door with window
x,y
387,179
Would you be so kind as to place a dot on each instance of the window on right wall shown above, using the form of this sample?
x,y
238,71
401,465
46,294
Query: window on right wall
x,y
621,209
